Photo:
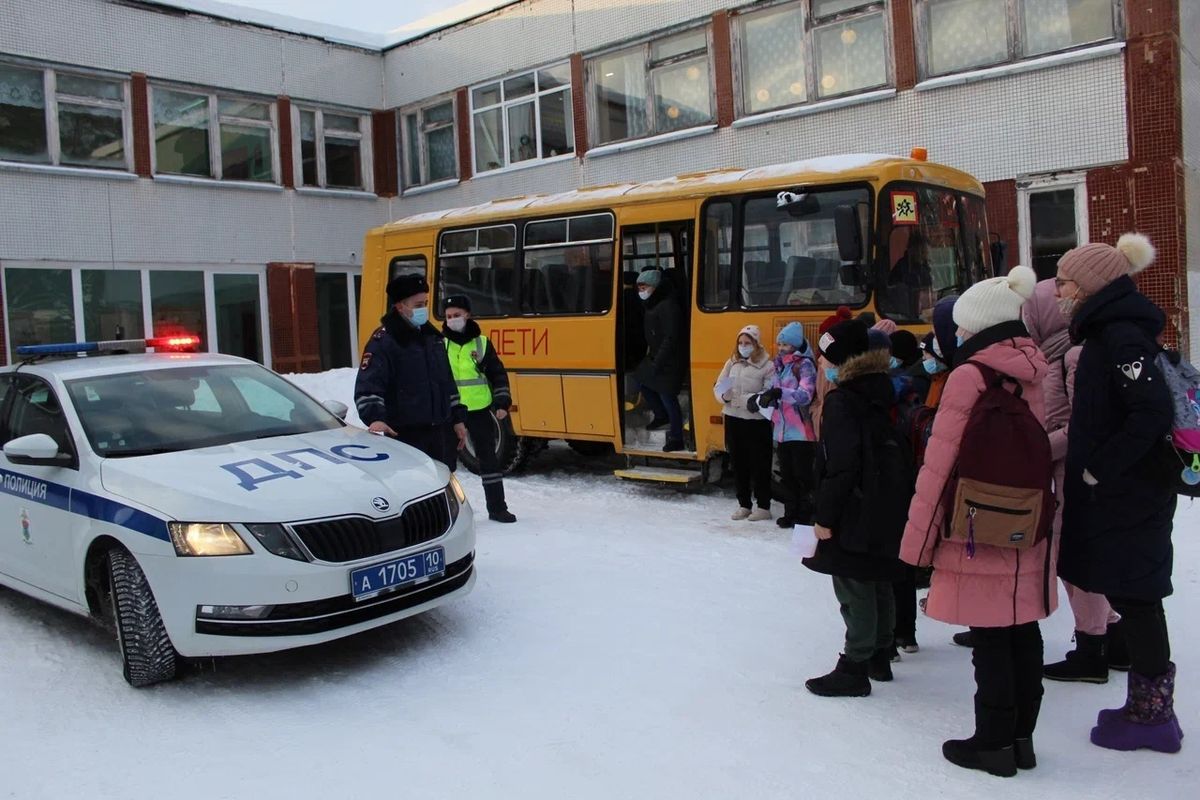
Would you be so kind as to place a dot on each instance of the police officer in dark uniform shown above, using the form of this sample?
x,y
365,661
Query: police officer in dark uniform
x,y
404,387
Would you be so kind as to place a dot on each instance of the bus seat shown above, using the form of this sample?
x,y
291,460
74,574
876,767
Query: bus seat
x,y
803,273
534,291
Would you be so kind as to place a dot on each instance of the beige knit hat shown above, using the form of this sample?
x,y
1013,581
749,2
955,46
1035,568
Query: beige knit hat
x,y
1094,266
995,300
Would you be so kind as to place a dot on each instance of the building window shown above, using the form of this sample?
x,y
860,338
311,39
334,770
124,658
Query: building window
x,y
427,139
112,304
1052,218
52,117
812,50
38,306
968,34
177,304
239,147
336,323
239,315
654,88
522,118
332,149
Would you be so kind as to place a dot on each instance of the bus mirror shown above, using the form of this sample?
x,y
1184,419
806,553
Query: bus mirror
x,y
849,235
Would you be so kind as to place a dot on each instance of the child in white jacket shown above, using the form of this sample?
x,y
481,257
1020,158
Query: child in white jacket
x,y
747,373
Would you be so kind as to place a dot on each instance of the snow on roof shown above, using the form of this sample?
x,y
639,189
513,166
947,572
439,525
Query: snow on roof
x,y
648,189
409,31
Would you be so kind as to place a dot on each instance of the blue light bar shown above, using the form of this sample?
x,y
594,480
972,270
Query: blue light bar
x,y
74,348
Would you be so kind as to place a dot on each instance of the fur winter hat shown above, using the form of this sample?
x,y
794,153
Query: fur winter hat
x,y
649,277
843,313
793,334
753,332
1094,266
995,300
845,341
403,287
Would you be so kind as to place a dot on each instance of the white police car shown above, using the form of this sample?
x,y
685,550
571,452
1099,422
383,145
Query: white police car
x,y
201,505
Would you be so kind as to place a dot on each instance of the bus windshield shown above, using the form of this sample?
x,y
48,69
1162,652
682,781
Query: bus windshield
x,y
934,244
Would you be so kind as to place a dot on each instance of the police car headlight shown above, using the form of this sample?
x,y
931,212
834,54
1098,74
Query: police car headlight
x,y
206,539
454,498
457,489
273,537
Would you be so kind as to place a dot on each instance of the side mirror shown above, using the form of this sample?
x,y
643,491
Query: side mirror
x,y
36,448
849,235
337,408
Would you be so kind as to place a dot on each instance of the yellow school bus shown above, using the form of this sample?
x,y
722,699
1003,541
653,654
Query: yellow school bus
x,y
550,278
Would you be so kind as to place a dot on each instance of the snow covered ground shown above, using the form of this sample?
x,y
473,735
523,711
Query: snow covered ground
x,y
623,641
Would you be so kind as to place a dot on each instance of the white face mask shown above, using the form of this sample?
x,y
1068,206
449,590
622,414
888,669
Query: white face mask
x,y
745,350
1067,306
644,294
458,324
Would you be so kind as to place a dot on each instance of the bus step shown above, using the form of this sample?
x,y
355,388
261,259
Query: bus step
x,y
675,477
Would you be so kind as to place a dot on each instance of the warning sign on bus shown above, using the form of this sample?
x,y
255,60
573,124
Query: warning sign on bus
x,y
904,208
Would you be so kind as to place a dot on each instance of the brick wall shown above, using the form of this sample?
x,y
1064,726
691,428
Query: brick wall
x,y
1002,217
579,104
287,166
462,119
904,45
292,309
140,110
722,68
385,149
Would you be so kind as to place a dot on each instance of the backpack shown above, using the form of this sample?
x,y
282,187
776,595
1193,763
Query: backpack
x,y
1183,382
914,422
1001,491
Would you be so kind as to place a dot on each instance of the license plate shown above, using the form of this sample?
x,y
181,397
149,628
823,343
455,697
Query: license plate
x,y
369,581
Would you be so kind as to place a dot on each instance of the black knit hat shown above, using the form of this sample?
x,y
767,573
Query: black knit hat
x,y
905,347
845,341
403,287
458,301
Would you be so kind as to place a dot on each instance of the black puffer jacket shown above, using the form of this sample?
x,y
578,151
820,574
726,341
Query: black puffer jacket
x,y
666,362
404,378
1116,535
864,475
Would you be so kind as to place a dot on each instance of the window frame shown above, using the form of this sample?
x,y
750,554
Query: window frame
x,y
403,140
517,225
1052,183
213,129
810,24
737,262
649,66
50,96
364,138
1015,17
503,107
611,241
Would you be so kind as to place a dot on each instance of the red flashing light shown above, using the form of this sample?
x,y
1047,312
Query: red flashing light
x,y
177,343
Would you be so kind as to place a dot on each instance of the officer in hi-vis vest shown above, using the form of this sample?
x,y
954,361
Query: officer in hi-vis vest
x,y
483,389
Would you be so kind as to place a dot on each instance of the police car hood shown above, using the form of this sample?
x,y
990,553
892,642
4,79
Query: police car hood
x,y
280,479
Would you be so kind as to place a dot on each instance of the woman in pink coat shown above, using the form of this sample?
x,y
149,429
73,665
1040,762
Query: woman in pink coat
x,y
1098,643
1000,593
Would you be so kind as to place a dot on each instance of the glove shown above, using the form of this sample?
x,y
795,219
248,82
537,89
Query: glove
x,y
770,397
752,404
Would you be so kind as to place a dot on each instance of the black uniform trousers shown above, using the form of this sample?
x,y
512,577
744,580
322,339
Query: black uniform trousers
x,y
481,427
435,441
749,443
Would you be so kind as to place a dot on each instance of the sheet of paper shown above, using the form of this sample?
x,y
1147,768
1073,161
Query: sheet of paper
x,y
804,541
766,411
723,386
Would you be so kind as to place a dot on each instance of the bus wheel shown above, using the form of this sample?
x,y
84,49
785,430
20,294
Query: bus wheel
x,y
512,451
590,449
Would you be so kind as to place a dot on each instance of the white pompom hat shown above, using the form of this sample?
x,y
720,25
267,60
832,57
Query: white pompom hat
x,y
995,300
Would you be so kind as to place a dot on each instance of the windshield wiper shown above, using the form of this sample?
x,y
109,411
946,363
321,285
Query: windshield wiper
x,y
141,451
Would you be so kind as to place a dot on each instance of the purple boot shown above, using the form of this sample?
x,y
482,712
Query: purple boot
x,y
1147,720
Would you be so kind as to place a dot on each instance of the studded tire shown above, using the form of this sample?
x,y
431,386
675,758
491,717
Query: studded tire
x,y
146,651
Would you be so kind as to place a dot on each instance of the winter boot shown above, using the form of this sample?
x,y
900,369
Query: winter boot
x,y
964,639
1148,719
907,644
1116,648
493,492
1087,663
785,521
1027,715
674,446
879,667
759,514
848,679
502,515
740,514
990,749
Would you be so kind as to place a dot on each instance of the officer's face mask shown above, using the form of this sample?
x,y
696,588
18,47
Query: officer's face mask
x,y
457,324
419,316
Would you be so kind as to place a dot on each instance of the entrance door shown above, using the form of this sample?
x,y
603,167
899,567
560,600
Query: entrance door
x,y
667,247
1053,219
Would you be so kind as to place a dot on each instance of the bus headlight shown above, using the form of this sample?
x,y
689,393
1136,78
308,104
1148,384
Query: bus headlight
x,y
206,539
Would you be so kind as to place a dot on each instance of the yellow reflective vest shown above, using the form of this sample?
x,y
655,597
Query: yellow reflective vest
x,y
473,388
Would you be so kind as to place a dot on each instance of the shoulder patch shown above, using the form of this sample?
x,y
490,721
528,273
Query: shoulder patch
x,y
1132,370
366,360
378,334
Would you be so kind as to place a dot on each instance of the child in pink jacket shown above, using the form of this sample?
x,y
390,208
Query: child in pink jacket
x,y
1000,593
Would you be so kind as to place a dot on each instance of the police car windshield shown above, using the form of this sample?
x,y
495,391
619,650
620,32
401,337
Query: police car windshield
x,y
185,408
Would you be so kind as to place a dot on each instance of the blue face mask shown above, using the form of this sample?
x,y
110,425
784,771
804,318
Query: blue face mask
x,y
894,363
831,374
958,340
932,366
420,316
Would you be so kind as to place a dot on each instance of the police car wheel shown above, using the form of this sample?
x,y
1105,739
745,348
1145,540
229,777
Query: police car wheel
x,y
146,651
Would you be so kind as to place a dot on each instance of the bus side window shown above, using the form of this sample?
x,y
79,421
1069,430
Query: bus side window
x,y
481,264
716,266
568,265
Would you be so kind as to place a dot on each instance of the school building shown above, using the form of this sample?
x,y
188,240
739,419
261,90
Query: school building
x,y
174,167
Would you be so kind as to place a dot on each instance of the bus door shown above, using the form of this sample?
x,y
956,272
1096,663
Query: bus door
x,y
665,246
